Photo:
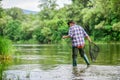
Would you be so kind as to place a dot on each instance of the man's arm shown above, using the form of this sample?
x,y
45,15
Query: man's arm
x,y
86,35
66,37
70,34
88,38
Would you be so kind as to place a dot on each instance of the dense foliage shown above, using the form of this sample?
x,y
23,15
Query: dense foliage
x,y
5,47
100,18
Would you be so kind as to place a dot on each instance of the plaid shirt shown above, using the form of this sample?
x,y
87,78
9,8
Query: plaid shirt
x,y
77,33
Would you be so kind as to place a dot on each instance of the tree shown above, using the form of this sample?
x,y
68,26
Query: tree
x,y
15,13
13,30
51,4
82,3
100,18
1,11
48,9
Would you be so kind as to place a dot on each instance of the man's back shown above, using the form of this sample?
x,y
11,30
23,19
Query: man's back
x,y
77,34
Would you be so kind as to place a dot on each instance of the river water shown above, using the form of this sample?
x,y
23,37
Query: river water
x,y
53,62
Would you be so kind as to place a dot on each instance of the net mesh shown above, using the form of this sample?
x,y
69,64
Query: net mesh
x,y
93,51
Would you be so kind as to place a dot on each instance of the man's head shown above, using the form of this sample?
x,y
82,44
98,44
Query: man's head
x,y
71,23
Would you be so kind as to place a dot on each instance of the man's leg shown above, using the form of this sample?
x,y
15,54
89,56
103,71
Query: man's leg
x,y
82,53
74,55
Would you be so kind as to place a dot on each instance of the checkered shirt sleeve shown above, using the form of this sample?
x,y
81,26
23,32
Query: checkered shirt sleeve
x,y
71,32
84,33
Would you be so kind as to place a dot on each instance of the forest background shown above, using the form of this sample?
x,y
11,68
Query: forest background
x,y
100,19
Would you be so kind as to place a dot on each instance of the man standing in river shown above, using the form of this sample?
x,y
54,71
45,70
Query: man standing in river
x,y
77,34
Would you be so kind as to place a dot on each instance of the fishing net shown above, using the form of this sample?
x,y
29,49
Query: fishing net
x,y
93,51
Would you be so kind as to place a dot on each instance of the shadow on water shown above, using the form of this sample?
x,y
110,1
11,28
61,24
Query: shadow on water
x,y
53,62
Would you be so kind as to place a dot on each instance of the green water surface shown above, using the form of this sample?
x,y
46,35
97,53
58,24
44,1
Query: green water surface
x,y
47,57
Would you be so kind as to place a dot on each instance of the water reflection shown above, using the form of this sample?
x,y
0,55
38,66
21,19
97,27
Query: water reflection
x,y
53,62
62,72
109,54
3,66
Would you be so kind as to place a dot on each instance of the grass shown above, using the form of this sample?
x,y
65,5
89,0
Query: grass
x,y
6,48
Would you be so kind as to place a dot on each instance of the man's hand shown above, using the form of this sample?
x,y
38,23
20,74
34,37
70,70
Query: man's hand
x,y
65,37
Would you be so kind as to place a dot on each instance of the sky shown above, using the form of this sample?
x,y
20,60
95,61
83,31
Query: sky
x,y
29,4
